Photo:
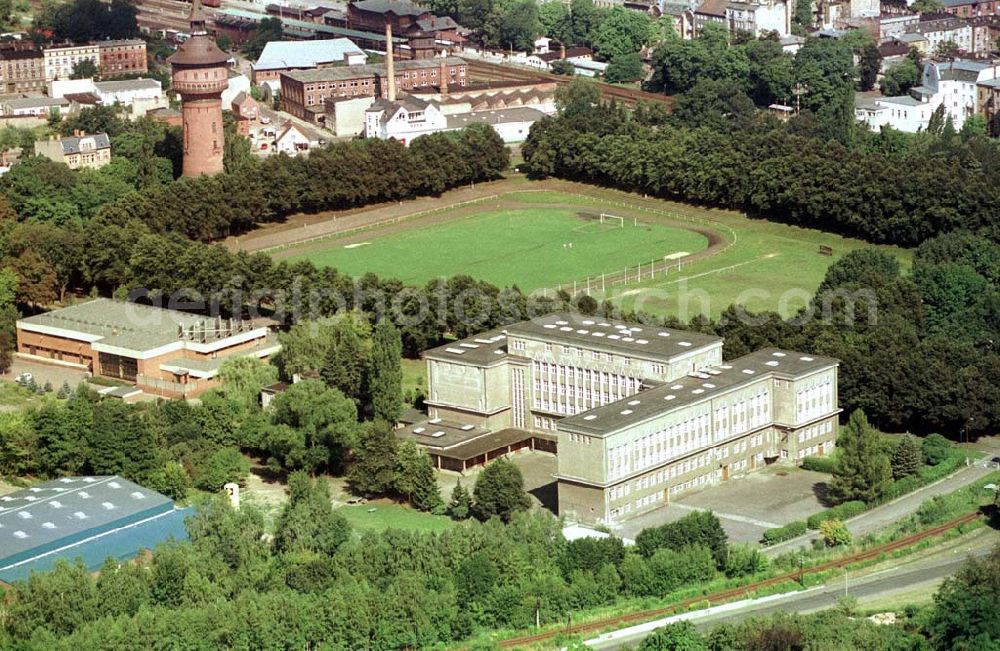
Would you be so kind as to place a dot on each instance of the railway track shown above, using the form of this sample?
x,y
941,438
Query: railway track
x,y
495,71
742,592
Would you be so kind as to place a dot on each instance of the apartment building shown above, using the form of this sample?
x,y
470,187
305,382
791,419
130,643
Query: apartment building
x,y
639,413
22,69
122,57
60,60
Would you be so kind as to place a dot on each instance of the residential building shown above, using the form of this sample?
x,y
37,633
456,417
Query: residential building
x,y
951,84
942,30
890,26
36,106
710,11
970,8
285,56
304,92
163,352
128,91
426,33
545,60
91,151
985,34
119,58
295,140
403,119
22,70
82,518
988,104
640,413
245,110
511,124
759,18
60,60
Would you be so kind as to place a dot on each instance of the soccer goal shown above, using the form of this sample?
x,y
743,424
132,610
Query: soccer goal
x,y
605,217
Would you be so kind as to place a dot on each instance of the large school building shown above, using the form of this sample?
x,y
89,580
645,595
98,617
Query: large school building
x,y
639,413
163,352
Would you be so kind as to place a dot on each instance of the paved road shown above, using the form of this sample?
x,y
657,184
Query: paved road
x,y
915,574
882,516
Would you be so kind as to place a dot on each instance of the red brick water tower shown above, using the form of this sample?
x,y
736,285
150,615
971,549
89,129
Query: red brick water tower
x,y
200,74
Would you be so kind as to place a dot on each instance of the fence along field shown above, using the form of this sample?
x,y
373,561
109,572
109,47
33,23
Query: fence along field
x,y
533,247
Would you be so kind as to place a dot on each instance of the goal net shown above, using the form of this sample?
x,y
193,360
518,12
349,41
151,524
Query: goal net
x,y
605,217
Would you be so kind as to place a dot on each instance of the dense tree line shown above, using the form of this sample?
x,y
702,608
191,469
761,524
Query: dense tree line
x,y
88,20
772,171
320,584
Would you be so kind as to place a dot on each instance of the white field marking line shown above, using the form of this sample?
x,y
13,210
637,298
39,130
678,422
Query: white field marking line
x,y
372,226
356,245
721,269
731,516
676,256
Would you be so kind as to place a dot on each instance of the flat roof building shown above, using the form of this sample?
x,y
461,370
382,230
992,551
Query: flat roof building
x,y
163,352
90,518
638,413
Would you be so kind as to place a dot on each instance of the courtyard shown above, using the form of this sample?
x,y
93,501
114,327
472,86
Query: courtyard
x,y
745,506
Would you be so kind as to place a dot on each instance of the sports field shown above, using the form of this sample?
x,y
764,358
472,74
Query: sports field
x,y
529,247
545,238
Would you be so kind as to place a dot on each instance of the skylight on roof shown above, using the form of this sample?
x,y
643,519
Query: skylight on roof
x,y
419,430
565,329
582,332
771,363
669,396
80,515
466,428
598,334
107,505
663,334
454,351
642,341
748,371
137,495
24,515
614,336
698,391
48,525
588,322
684,343
438,434
468,345
807,359
562,323
676,387
708,385
114,484
549,326
634,329
56,504
626,412
628,339
604,324
777,354
589,417
84,494
20,534
633,402
435,421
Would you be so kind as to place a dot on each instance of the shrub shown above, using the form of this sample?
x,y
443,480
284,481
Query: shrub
x,y
834,533
819,464
787,532
935,448
843,511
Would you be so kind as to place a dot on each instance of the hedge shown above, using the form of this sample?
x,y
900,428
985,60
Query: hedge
x,y
819,464
787,532
840,512
926,475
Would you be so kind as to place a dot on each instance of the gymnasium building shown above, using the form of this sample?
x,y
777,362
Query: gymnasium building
x,y
639,414
163,352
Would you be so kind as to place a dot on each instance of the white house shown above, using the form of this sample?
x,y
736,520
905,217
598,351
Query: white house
x,y
759,18
512,124
294,140
942,30
405,119
949,83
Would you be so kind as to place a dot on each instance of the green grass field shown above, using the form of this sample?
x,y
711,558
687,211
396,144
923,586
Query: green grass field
x,y
766,266
526,247
379,516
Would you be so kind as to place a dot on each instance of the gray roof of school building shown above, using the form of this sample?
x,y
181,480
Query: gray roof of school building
x,y
305,54
690,390
49,516
124,324
597,333
482,350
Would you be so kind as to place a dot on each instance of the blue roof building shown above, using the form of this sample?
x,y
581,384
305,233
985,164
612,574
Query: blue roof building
x,y
82,517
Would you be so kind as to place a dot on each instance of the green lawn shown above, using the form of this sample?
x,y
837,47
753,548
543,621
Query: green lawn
x,y
381,515
14,397
414,374
770,266
526,247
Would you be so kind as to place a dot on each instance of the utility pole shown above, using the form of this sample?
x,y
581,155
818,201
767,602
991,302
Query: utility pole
x,y
799,90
